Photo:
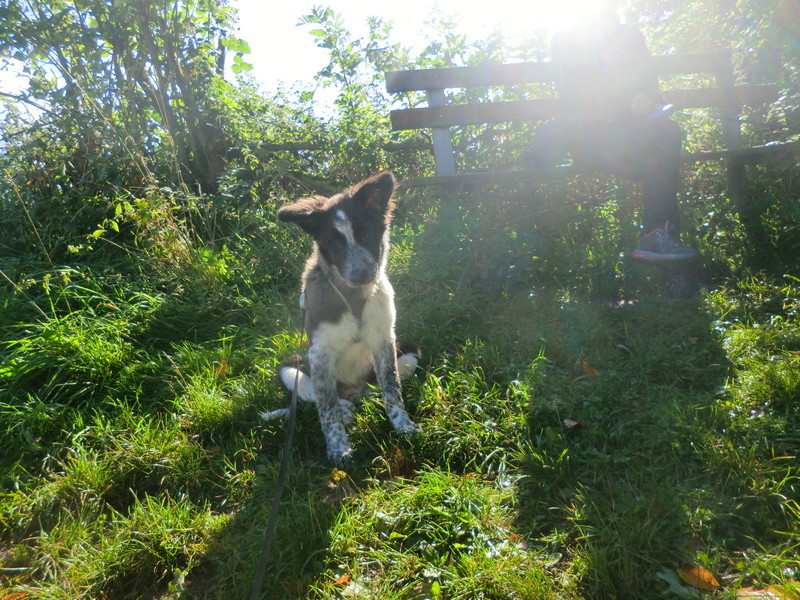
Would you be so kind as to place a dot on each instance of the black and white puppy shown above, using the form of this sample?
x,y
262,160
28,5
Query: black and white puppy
x,y
350,312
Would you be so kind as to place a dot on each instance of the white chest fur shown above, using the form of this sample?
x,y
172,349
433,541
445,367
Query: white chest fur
x,y
352,343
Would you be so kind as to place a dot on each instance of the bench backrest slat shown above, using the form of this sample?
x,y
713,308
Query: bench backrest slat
x,y
547,108
540,72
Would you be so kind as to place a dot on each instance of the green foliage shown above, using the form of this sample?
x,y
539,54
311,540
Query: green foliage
x,y
580,437
125,79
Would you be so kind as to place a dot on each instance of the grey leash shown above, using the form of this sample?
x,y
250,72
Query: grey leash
x,y
269,534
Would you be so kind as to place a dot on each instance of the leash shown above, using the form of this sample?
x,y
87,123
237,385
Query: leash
x,y
269,534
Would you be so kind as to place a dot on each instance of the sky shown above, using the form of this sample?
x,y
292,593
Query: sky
x,y
284,52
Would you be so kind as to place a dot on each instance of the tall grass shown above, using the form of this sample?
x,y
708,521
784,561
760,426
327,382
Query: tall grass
x,y
581,438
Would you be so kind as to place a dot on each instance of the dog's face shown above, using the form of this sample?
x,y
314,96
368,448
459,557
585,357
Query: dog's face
x,y
350,228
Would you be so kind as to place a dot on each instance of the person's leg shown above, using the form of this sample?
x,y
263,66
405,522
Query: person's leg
x,y
657,150
653,158
551,144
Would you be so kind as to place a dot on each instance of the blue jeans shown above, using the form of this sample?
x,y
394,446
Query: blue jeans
x,y
646,151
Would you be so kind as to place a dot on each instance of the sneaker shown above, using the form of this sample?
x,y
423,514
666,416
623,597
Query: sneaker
x,y
661,245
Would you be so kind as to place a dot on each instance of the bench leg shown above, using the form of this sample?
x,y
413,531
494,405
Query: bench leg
x,y
749,213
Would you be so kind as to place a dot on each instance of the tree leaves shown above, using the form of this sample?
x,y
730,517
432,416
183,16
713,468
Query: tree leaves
x,y
123,75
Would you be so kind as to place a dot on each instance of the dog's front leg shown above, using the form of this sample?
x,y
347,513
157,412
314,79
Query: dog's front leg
x,y
389,381
330,412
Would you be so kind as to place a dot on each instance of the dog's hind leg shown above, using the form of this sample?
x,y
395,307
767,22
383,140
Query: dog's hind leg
x,y
386,369
330,411
295,370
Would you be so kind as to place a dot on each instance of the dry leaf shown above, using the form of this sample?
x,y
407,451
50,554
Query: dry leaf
x,y
430,589
221,367
698,577
753,594
589,369
343,580
16,596
785,592
771,592
337,487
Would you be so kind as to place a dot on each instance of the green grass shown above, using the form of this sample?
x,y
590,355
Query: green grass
x,y
133,464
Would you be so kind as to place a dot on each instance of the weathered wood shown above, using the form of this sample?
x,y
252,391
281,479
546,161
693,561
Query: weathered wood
x,y
765,152
539,72
461,77
443,154
752,154
547,108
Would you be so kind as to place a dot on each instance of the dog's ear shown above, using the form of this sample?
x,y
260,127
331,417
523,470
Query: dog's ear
x,y
376,192
306,214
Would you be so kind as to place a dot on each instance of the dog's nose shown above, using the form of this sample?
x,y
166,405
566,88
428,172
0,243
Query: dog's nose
x,y
362,275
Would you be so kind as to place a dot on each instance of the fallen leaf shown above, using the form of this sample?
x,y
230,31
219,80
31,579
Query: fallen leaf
x,y
698,577
785,592
343,580
16,596
754,594
221,367
569,424
589,369
771,592
676,588
424,590
337,487
396,462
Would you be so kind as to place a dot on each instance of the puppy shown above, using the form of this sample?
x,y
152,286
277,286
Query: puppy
x,y
349,309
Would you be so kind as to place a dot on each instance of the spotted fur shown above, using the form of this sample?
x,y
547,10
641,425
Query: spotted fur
x,y
350,312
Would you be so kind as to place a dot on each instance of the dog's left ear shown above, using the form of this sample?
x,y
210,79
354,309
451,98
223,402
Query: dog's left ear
x,y
376,192
305,213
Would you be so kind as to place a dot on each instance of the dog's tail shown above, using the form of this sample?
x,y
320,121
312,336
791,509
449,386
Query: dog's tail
x,y
293,369
408,356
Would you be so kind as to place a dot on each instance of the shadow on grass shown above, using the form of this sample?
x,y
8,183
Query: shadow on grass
x,y
616,476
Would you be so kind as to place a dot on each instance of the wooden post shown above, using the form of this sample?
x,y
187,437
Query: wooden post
x,y
749,214
737,175
442,142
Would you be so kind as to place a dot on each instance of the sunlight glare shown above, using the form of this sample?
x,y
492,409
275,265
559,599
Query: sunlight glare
x,y
513,16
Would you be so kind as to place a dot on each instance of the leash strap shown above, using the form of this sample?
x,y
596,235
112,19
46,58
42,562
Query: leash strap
x,y
269,534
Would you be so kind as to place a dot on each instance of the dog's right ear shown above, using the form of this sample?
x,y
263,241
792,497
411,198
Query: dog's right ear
x,y
305,213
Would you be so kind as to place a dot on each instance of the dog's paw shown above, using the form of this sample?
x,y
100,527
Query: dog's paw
x,y
348,411
400,420
408,427
340,460
337,443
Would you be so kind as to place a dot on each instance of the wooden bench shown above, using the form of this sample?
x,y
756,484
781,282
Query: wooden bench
x,y
724,95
